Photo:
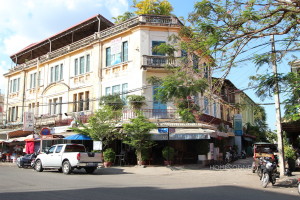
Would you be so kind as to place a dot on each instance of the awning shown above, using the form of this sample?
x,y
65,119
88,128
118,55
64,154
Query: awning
x,y
19,133
78,137
182,134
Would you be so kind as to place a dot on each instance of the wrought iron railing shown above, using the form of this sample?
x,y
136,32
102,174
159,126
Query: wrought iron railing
x,y
151,114
159,61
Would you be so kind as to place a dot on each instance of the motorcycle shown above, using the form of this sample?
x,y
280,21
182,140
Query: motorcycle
x,y
269,172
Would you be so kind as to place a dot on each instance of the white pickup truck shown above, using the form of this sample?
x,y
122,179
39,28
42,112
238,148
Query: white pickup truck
x,y
66,157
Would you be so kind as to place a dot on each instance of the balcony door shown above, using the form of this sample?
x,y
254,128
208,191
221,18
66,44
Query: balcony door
x,y
159,109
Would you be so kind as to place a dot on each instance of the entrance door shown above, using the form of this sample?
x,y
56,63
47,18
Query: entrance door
x,y
159,109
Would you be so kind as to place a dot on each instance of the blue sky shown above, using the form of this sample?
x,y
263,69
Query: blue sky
x,y
23,22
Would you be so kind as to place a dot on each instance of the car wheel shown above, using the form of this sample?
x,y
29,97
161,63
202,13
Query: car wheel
x,y
90,170
38,166
66,168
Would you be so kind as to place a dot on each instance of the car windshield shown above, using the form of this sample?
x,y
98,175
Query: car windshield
x,y
75,148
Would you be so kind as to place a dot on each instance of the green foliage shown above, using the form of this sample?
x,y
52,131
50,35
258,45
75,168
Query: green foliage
x,y
153,7
138,136
124,17
136,101
168,153
109,155
101,126
289,152
114,101
227,30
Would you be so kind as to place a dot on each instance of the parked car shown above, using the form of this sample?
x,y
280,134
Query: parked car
x,y
25,161
66,157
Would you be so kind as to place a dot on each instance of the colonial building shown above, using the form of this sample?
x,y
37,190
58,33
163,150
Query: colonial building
x,y
62,78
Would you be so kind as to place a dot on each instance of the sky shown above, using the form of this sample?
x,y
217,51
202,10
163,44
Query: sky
x,y
23,22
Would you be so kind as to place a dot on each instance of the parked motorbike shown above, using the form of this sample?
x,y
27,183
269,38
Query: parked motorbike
x,y
269,172
228,157
243,155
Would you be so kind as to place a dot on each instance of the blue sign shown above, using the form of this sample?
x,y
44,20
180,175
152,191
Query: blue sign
x,y
163,130
238,125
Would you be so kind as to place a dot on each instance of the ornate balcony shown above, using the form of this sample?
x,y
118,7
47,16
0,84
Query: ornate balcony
x,y
159,62
151,114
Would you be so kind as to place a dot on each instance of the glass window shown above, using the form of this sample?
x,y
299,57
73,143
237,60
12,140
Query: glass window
x,y
76,66
31,81
81,67
52,75
125,51
206,108
88,63
116,89
80,102
87,100
108,57
61,73
34,80
58,149
124,91
18,84
75,103
107,91
155,44
75,148
51,150
56,73
215,109
15,85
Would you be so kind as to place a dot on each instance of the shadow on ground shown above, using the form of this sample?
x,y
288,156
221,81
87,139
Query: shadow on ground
x,y
150,193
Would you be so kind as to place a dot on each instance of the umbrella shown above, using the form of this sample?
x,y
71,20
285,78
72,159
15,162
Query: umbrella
x,y
78,137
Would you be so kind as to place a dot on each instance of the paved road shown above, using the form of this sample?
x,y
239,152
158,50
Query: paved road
x,y
136,183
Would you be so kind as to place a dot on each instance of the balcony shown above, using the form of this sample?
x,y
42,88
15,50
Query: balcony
x,y
151,114
152,20
159,62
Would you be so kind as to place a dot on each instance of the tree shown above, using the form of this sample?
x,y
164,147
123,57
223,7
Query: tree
x,y
124,17
113,100
138,135
226,29
136,101
102,126
154,7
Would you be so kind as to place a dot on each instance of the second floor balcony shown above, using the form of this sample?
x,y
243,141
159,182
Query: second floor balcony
x,y
159,62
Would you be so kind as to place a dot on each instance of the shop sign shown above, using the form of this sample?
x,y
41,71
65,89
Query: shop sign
x,y
238,124
28,121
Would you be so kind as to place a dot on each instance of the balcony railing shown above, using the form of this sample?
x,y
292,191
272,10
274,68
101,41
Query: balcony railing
x,y
152,20
159,61
151,114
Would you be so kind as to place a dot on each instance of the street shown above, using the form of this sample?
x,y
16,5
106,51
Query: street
x,y
135,183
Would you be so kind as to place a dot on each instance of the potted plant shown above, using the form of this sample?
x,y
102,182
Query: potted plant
x,y
290,157
136,102
168,154
109,157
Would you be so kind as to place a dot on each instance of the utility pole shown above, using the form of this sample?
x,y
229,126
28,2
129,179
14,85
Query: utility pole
x,y
278,111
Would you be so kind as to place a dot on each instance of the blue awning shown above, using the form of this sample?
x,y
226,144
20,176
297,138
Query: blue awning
x,y
78,137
